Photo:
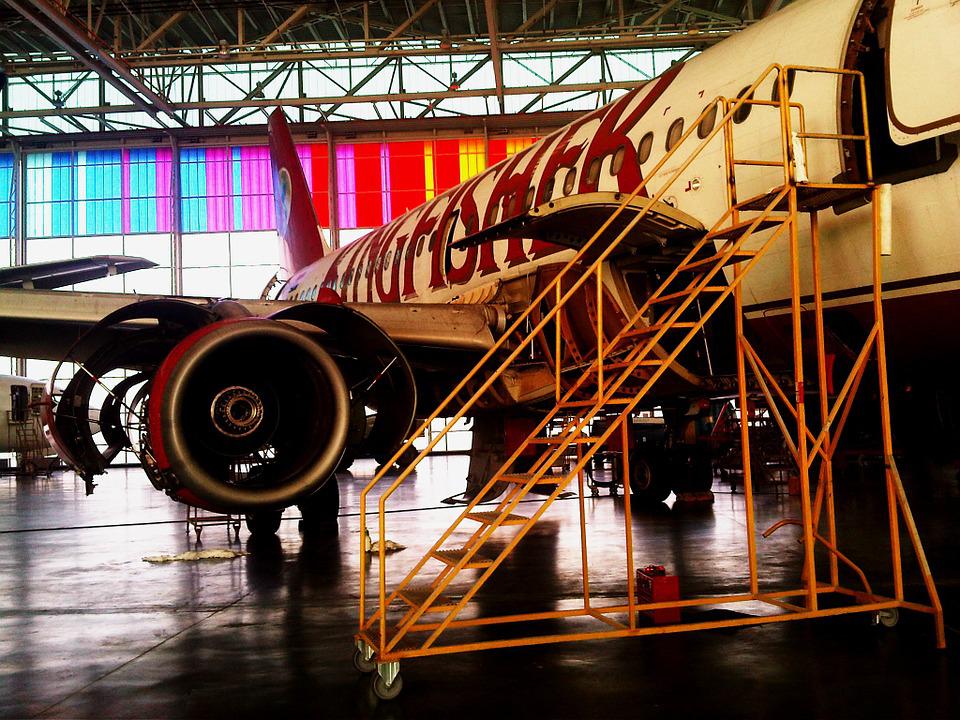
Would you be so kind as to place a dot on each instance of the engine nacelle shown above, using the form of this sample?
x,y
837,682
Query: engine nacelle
x,y
227,411
247,413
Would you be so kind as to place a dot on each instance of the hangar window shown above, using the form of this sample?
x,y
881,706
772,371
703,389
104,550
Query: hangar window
x,y
644,148
674,134
617,163
593,173
707,122
743,112
568,181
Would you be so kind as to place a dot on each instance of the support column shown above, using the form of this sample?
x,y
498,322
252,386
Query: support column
x,y
19,254
334,229
176,229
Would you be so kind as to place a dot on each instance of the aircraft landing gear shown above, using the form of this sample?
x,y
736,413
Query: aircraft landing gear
x,y
320,510
264,522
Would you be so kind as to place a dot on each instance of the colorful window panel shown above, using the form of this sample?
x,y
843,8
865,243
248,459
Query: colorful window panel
x,y
6,195
98,192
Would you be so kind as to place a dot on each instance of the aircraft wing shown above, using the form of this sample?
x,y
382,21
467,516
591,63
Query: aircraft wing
x,y
60,273
43,324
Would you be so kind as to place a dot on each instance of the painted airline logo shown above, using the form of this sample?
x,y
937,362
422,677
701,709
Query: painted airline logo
x,y
411,257
284,199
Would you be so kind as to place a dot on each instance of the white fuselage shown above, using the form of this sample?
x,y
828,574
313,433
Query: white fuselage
x,y
404,261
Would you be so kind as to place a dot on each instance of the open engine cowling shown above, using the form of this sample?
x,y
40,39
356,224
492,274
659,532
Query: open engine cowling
x,y
247,413
231,412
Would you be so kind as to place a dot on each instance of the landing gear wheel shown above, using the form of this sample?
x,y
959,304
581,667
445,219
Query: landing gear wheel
x,y
362,664
321,509
264,522
889,617
647,482
385,692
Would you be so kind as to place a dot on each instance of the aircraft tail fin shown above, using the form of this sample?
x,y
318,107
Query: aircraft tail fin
x,y
302,240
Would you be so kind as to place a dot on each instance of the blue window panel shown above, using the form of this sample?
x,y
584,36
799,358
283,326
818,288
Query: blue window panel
x,y
237,190
143,190
103,191
193,184
6,195
61,211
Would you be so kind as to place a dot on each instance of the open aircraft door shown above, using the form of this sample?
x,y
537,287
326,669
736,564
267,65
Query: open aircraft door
x,y
918,108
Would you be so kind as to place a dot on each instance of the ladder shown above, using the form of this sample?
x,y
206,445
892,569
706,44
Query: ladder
x,y
410,618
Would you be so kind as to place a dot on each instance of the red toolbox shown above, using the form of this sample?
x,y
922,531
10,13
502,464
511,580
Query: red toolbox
x,y
654,586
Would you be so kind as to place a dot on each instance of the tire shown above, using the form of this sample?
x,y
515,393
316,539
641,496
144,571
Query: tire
x,y
264,522
364,666
383,692
322,508
648,483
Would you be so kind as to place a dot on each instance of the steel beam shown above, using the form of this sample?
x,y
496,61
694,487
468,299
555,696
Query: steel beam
x,y
491,8
94,55
421,11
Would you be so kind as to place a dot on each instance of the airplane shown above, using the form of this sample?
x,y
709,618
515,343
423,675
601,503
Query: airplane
x,y
20,430
251,405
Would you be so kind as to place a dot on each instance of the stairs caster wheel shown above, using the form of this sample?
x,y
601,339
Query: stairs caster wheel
x,y
888,617
382,691
363,665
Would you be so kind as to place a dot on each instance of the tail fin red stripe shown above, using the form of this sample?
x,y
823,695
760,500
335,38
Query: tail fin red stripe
x,y
302,241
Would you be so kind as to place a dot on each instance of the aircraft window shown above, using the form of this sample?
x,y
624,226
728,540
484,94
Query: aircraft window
x,y
617,163
528,200
708,122
421,241
593,174
791,78
644,148
568,181
314,293
388,257
512,206
492,214
674,133
744,112
548,189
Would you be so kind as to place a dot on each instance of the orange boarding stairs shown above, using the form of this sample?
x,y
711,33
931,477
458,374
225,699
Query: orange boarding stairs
x,y
410,618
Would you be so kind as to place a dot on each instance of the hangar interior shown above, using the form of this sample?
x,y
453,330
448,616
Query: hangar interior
x,y
137,128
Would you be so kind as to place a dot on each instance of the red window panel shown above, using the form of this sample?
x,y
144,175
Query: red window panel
x,y
408,184
446,163
320,170
369,179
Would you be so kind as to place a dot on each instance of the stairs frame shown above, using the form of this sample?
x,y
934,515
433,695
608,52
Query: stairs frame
x,y
632,349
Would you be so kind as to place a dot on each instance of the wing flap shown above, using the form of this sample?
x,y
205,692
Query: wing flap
x,y
60,273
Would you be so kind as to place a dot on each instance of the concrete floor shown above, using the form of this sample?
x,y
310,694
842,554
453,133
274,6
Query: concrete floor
x,y
88,629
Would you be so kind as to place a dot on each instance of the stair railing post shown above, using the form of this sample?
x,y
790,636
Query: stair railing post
x,y
628,516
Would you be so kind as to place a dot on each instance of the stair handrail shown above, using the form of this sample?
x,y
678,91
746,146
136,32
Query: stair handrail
x,y
518,322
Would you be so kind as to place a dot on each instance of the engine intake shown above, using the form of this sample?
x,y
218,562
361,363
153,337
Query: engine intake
x,y
247,414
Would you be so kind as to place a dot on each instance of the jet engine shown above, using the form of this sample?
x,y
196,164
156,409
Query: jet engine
x,y
231,412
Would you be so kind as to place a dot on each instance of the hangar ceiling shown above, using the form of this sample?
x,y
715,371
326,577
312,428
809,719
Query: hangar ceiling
x,y
127,64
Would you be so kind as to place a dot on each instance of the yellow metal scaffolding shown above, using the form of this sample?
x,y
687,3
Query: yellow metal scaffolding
x,y
416,617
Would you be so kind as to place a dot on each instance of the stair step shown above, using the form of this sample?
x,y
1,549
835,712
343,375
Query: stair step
x,y
562,440
416,596
674,297
592,403
488,518
625,364
736,257
737,229
452,556
524,478
655,328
